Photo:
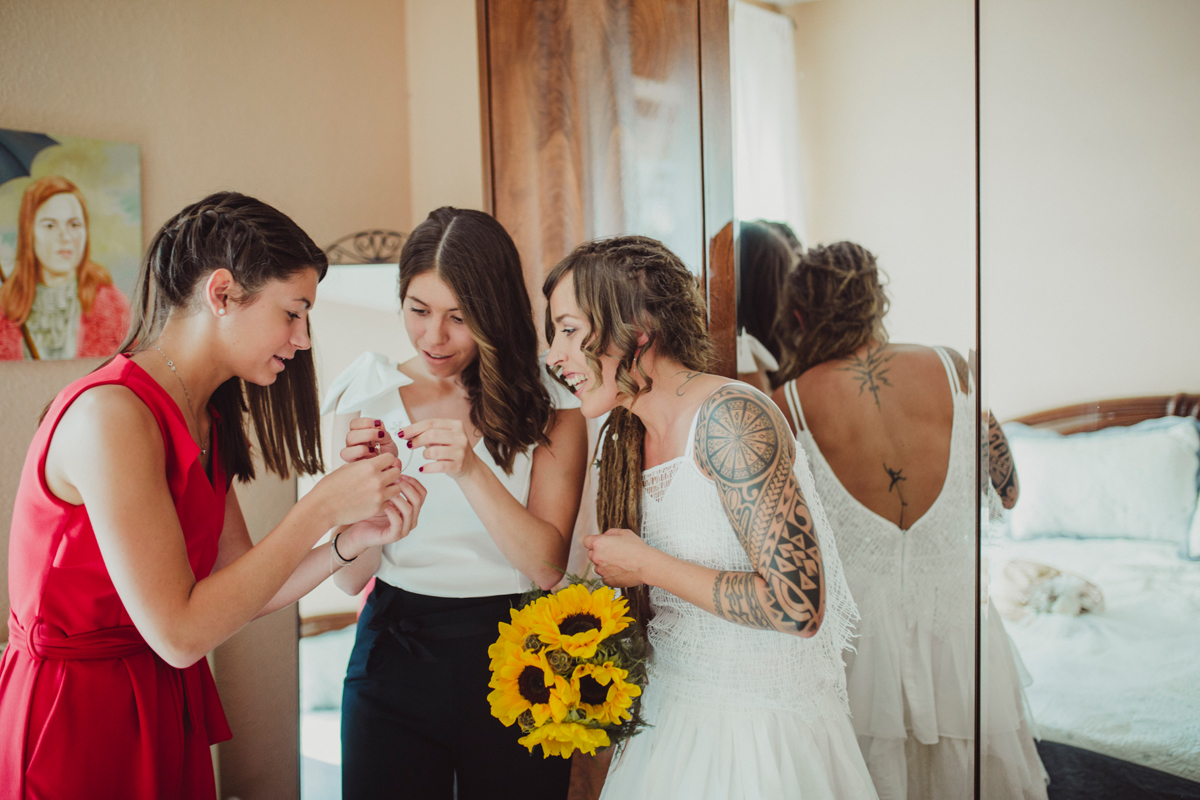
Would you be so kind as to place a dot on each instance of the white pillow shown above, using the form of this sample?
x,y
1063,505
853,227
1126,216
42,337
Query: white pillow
x,y
1191,547
1137,482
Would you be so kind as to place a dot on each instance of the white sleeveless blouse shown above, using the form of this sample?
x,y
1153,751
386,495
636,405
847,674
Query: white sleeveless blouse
x,y
450,553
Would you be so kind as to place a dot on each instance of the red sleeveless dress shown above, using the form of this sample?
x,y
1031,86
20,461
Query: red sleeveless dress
x,y
87,709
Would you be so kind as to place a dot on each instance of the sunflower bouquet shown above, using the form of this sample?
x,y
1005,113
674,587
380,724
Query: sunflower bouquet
x,y
569,669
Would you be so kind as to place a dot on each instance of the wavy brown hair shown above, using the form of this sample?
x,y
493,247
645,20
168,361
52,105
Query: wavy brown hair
x,y
257,244
477,259
839,293
16,293
625,286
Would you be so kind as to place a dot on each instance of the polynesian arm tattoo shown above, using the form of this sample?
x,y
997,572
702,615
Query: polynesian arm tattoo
x,y
1002,470
742,442
870,370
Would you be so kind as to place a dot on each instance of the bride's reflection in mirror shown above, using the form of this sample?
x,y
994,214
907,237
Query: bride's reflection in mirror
x,y
853,121
889,430
765,256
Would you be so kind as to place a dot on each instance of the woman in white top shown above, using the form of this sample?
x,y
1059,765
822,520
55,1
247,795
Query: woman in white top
x,y
889,429
501,451
750,609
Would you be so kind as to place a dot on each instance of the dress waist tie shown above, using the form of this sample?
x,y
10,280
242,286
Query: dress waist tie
x,y
201,704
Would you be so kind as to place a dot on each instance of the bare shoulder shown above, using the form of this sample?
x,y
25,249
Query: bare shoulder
x,y
106,434
741,435
110,408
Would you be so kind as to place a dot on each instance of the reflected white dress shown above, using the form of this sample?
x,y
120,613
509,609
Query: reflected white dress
x,y
911,680
736,712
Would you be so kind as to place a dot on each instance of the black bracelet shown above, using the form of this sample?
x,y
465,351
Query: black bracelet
x,y
341,560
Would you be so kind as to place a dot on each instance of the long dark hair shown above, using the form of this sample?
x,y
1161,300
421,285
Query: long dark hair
x,y
764,260
477,259
257,244
623,286
839,291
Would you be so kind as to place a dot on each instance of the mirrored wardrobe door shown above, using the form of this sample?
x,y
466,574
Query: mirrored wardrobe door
x,y
854,170
1090,162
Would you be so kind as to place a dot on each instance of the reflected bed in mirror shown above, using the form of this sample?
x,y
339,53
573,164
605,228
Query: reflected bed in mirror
x,y
1096,574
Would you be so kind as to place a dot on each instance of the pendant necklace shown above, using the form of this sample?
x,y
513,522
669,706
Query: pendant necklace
x,y
171,364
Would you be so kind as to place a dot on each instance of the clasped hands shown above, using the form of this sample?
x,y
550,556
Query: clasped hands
x,y
620,557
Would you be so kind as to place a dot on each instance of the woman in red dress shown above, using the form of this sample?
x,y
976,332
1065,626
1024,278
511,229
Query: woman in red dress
x,y
129,557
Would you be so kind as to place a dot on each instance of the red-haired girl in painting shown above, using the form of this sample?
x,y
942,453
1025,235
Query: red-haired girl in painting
x,y
58,303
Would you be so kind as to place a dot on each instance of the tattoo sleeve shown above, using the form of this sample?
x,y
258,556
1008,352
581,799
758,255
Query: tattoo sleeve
x,y
1002,471
743,443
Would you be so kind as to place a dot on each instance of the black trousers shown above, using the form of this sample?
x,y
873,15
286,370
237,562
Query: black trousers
x,y
415,715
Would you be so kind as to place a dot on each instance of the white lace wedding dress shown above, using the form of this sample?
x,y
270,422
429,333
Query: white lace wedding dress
x,y
736,712
911,680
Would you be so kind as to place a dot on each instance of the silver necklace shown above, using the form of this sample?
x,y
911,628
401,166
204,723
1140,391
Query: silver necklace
x,y
171,364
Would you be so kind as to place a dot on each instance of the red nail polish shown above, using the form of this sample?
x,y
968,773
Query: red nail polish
x,y
378,423
381,434
409,445
420,469
400,434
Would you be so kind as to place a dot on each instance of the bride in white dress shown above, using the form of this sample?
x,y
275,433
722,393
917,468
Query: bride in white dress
x,y
889,429
751,611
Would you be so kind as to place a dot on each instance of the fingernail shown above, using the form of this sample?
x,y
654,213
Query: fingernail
x,y
400,434
420,469
381,434
378,423
409,445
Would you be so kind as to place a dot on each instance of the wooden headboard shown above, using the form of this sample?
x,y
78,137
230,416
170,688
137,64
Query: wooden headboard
x,y
1113,413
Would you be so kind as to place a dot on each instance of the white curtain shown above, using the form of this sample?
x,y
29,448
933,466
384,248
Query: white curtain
x,y
766,127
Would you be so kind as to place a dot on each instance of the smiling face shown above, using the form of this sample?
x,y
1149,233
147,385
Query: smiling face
x,y
436,326
597,395
59,233
266,332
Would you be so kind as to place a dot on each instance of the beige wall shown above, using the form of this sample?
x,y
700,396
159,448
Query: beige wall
x,y
443,106
1091,211
299,102
887,118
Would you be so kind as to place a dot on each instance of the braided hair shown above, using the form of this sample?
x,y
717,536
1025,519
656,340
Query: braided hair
x,y
839,292
624,286
257,244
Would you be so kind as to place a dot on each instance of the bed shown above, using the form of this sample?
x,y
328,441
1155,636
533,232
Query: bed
x,y
1115,693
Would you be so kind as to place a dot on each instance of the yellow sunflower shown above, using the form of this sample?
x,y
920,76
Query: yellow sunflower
x,y
604,705
564,738
577,620
524,681
512,636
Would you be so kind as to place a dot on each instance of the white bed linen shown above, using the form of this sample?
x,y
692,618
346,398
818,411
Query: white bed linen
x,y
1124,682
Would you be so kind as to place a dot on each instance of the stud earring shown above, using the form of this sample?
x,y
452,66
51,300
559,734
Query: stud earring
x,y
220,312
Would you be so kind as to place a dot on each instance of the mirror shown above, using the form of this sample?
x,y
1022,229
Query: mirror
x,y
1089,167
357,308
853,123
